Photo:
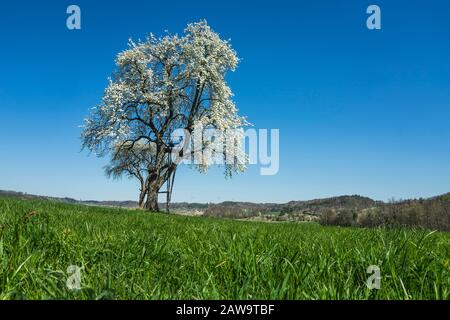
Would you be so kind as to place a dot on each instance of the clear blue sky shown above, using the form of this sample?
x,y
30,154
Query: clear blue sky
x,y
359,111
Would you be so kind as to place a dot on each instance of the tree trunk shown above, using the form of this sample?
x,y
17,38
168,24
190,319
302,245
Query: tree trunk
x,y
152,199
153,183
142,194
155,180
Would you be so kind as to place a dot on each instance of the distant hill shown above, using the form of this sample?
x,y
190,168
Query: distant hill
x,y
310,206
432,213
443,197
121,204
342,207
317,205
22,195
291,209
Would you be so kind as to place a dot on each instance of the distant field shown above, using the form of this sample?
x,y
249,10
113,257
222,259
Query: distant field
x,y
128,254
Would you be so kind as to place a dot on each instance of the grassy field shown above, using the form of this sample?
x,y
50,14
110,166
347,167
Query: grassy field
x,y
129,254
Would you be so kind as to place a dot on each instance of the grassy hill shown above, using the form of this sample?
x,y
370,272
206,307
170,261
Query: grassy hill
x,y
131,254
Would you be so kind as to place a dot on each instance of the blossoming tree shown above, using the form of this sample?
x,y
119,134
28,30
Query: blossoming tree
x,y
159,86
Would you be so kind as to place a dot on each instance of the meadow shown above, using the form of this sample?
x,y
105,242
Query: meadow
x,y
132,254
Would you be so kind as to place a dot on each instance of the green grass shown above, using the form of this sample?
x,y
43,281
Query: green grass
x,y
128,254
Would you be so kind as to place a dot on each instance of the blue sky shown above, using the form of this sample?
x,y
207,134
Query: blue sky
x,y
359,111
